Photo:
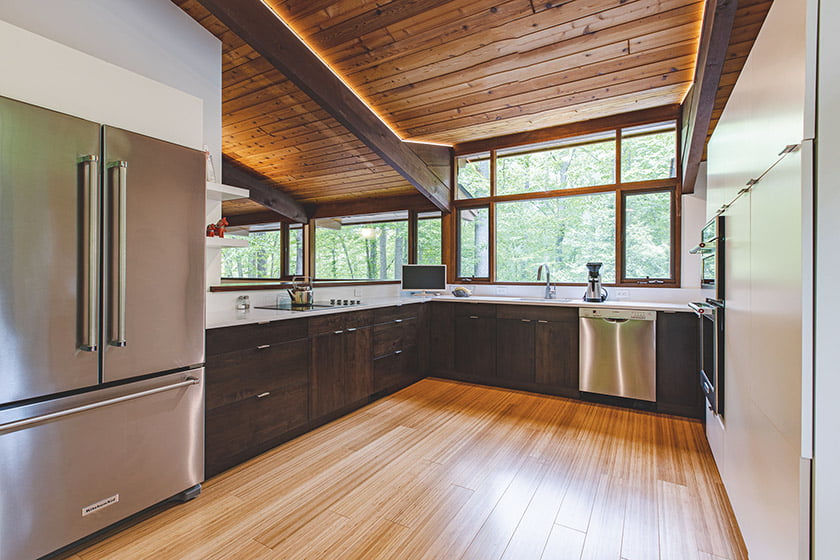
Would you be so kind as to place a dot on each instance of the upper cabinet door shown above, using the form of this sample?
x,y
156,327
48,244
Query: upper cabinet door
x,y
48,252
153,246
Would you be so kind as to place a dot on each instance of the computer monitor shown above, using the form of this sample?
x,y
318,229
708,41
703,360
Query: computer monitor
x,y
424,277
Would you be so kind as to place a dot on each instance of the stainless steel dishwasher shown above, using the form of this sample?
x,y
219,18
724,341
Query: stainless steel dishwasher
x,y
618,352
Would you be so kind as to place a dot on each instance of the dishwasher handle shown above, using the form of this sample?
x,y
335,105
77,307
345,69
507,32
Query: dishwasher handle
x,y
610,320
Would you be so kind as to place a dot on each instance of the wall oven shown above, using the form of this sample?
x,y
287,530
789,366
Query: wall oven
x,y
711,323
712,251
711,312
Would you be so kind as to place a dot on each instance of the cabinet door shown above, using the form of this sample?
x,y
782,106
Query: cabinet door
x,y
515,350
441,353
358,363
475,342
327,391
423,341
677,365
557,353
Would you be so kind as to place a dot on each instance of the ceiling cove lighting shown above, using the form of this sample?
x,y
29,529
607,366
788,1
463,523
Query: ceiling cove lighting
x,y
341,78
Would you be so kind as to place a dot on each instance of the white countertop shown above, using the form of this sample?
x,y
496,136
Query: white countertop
x,y
233,317
568,302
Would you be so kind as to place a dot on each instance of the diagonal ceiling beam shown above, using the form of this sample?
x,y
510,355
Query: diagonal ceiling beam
x,y
718,20
262,192
267,34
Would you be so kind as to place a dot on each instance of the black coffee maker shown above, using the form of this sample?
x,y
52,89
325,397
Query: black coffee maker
x,y
594,291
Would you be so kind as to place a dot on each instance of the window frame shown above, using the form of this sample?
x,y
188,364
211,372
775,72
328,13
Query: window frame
x,y
621,190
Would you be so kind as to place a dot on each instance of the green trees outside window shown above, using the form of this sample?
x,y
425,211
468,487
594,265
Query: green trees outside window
x,y
372,247
647,235
562,203
429,238
554,166
565,233
260,260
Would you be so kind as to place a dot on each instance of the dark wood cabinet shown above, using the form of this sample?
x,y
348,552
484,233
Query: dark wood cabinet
x,y
342,370
442,338
677,365
326,380
254,395
515,356
396,338
475,341
358,364
557,350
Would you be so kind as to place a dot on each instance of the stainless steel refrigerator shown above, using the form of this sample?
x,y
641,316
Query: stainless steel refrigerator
x,y
101,326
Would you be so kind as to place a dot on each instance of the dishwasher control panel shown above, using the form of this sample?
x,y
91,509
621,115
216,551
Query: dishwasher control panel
x,y
611,313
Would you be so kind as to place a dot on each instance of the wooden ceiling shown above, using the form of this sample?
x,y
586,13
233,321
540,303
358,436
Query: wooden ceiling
x,y
447,71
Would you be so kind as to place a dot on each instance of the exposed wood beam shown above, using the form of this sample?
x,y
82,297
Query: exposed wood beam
x,y
262,192
252,218
718,20
371,205
263,30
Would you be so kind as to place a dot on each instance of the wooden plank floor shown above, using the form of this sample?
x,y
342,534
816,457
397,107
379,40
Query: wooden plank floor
x,y
445,470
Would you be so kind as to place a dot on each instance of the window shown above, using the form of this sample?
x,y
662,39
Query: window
x,y
294,262
474,246
649,152
647,235
429,238
369,247
473,176
260,260
564,233
563,202
580,162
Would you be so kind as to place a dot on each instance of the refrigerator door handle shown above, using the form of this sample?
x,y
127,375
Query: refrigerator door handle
x,y
16,425
118,171
90,268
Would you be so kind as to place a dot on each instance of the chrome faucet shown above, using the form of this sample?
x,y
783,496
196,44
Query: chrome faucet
x,y
549,291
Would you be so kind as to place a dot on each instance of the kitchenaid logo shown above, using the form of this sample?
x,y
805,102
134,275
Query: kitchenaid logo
x,y
87,510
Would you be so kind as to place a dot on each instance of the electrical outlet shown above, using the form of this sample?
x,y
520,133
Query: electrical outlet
x,y
501,290
622,294
357,292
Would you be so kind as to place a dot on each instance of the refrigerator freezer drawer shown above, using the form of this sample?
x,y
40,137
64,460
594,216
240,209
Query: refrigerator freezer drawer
x,y
72,466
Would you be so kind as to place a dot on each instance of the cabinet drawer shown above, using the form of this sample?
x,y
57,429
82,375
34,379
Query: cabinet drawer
x,y
323,324
229,339
537,313
239,375
475,310
393,336
397,312
399,368
240,430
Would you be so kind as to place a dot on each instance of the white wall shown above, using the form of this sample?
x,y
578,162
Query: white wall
x,y
153,38
758,445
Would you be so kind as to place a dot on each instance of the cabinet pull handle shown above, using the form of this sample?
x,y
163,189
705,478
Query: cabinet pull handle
x,y
352,329
261,395
337,332
541,321
398,352
398,321
473,316
525,320
263,346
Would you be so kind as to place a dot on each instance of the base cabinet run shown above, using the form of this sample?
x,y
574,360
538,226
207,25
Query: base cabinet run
x,y
267,383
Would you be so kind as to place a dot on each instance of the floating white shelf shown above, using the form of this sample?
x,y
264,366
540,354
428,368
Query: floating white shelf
x,y
219,242
218,191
